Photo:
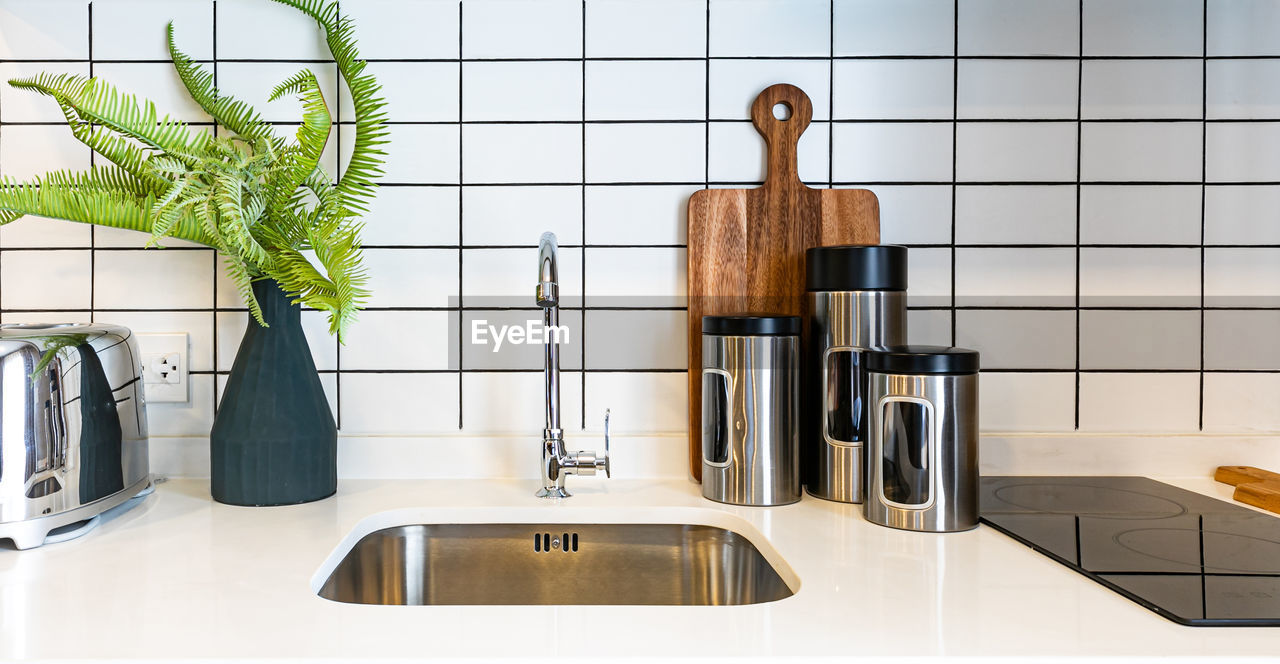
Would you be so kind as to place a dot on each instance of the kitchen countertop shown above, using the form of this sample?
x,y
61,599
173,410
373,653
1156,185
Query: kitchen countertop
x,y
179,576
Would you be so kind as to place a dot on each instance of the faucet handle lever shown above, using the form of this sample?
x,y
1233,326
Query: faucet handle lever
x,y
608,457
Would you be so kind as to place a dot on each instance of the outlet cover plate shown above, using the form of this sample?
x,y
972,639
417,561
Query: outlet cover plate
x,y
164,367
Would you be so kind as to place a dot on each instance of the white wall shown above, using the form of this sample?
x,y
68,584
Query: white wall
x,y
1104,226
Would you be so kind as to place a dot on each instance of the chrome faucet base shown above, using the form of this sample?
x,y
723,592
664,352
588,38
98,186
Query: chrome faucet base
x,y
553,492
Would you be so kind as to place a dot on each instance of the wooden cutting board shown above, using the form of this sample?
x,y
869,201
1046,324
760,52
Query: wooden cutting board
x,y
746,246
1254,486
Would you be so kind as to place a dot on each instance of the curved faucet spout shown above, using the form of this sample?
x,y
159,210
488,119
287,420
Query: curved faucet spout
x,y
548,271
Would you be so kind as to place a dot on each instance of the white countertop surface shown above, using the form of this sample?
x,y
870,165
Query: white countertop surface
x,y
180,576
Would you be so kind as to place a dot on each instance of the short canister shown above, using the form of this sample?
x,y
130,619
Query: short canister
x,y
750,404
857,301
922,460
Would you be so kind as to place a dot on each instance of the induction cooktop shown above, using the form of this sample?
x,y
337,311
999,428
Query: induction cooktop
x,y
1190,558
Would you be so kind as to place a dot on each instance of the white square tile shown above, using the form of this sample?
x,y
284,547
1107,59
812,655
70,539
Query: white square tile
x,y
639,402
1016,214
1242,152
894,27
525,91
500,277
412,277
520,214
417,154
646,152
1140,214
155,82
1026,402
990,89
46,280
1139,277
59,316
1019,339
1143,27
315,326
42,233
415,91
500,403
1015,277
647,29
770,27
193,418
250,29
197,325
897,89
636,340
29,151
646,90
930,326
135,29
1140,340
1243,27
522,153
1016,152
107,237
1242,215
1140,152
519,29
639,214
153,279
399,29
1139,402
52,29
1142,89
735,84
481,349
1241,402
251,83
929,283
888,152
1016,27
914,214
377,341
399,403
412,216
1242,277
636,277
29,105
738,153
1243,89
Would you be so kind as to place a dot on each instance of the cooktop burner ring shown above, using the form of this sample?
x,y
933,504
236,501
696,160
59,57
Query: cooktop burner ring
x,y
1037,491
1274,570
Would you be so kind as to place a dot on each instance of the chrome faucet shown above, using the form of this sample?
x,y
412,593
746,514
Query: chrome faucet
x,y
557,463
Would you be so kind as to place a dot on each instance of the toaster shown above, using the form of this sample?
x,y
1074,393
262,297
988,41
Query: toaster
x,y
73,427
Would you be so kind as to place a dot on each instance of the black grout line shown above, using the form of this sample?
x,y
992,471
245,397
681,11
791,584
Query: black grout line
x,y
800,58
1204,176
1079,189
831,94
955,168
337,345
216,261
461,230
582,348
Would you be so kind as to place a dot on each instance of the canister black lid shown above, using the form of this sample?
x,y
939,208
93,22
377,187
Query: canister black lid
x,y
751,325
923,360
856,267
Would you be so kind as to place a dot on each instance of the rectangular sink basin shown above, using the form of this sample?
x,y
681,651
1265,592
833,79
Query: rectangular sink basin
x,y
532,563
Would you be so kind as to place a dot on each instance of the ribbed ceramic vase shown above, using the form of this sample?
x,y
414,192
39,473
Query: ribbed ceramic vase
x,y
274,441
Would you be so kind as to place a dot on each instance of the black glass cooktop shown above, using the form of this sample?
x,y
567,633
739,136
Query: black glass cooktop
x,y
1193,559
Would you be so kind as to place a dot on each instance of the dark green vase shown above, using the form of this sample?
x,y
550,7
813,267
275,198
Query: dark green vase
x,y
274,441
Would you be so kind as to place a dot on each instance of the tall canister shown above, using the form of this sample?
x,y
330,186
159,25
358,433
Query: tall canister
x,y
857,301
751,409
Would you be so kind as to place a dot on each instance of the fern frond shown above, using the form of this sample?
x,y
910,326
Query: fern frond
x,y
243,280
97,101
86,205
231,113
116,149
357,184
313,135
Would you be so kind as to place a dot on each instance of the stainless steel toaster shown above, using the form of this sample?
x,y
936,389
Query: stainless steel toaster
x,y
73,426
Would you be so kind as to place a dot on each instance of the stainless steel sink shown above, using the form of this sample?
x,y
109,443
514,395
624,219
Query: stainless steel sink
x,y
525,563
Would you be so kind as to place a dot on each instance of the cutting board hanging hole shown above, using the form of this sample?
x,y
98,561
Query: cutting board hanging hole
x,y
781,114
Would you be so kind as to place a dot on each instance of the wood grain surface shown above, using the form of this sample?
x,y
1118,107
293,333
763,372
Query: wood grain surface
x,y
746,246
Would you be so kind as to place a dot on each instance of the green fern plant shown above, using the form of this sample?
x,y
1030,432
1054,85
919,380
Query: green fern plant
x,y
263,202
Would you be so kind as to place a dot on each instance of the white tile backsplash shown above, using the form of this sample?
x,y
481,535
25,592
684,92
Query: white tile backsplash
x,y
503,129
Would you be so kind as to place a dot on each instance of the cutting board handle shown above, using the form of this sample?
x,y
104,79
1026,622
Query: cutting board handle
x,y
781,136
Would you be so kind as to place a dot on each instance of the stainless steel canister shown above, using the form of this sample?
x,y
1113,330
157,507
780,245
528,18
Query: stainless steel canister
x,y
857,301
750,409
922,462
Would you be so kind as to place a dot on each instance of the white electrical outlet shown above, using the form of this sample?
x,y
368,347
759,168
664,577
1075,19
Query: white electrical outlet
x,y
164,367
